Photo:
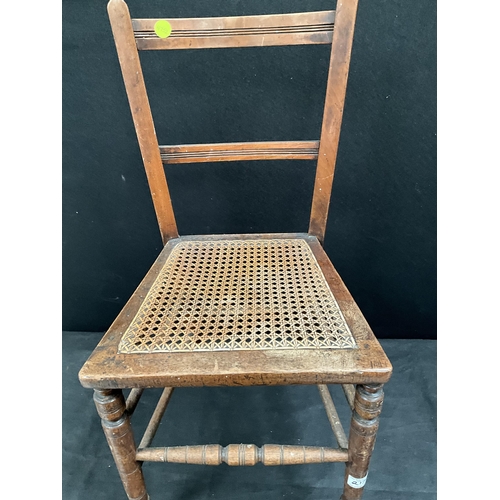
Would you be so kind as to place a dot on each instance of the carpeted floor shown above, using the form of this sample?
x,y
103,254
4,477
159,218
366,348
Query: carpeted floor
x,y
403,464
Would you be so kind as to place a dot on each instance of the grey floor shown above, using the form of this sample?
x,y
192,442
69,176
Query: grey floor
x,y
403,464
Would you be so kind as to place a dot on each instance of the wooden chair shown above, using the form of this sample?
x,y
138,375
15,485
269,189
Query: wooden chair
x,y
247,309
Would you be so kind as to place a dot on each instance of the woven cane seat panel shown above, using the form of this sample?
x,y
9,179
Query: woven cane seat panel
x,y
238,295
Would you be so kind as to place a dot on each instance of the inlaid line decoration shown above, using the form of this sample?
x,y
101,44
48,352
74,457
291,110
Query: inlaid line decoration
x,y
265,30
238,151
237,31
226,295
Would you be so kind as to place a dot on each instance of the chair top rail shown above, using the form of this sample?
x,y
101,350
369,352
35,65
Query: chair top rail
x,y
238,31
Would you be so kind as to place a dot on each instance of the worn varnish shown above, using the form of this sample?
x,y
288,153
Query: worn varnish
x,y
133,400
240,151
332,117
107,368
354,357
349,391
154,423
238,31
115,421
364,426
333,416
243,454
133,78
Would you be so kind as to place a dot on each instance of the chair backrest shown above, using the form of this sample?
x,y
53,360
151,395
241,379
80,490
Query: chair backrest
x,y
325,27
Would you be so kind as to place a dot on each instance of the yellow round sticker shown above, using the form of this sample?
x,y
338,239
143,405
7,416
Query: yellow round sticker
x,y
163,29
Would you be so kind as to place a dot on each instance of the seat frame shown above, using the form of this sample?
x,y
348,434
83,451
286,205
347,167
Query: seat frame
x,y
362,371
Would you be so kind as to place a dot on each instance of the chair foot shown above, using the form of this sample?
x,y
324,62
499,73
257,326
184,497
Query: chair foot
x,y
364,425
115,421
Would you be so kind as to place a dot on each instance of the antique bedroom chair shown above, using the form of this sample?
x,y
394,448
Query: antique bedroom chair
x,y
247,309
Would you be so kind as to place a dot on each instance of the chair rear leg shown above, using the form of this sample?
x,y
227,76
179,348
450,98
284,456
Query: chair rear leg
x,y
364,425
110,405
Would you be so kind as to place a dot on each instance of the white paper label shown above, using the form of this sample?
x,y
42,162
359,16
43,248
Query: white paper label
x,y
354,482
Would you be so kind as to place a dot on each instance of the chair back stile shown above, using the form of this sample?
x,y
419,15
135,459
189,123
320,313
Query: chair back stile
x,y
123,33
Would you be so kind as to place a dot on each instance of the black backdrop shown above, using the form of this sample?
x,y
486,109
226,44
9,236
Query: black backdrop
x,y
381,234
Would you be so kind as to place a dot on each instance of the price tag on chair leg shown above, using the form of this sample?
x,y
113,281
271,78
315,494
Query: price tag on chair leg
x,y
354,482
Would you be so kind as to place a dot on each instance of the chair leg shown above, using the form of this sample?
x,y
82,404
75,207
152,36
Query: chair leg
x,y
116,425
364,425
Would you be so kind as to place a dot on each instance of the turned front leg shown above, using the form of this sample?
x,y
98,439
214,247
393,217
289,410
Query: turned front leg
x,y
116,425
364,425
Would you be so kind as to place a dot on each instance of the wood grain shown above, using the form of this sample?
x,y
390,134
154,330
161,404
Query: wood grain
x,y
110,406
238,31
240,151
349,391
243,454
155,420
128,56
364,426
366,364
133,400
333,416
332,116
